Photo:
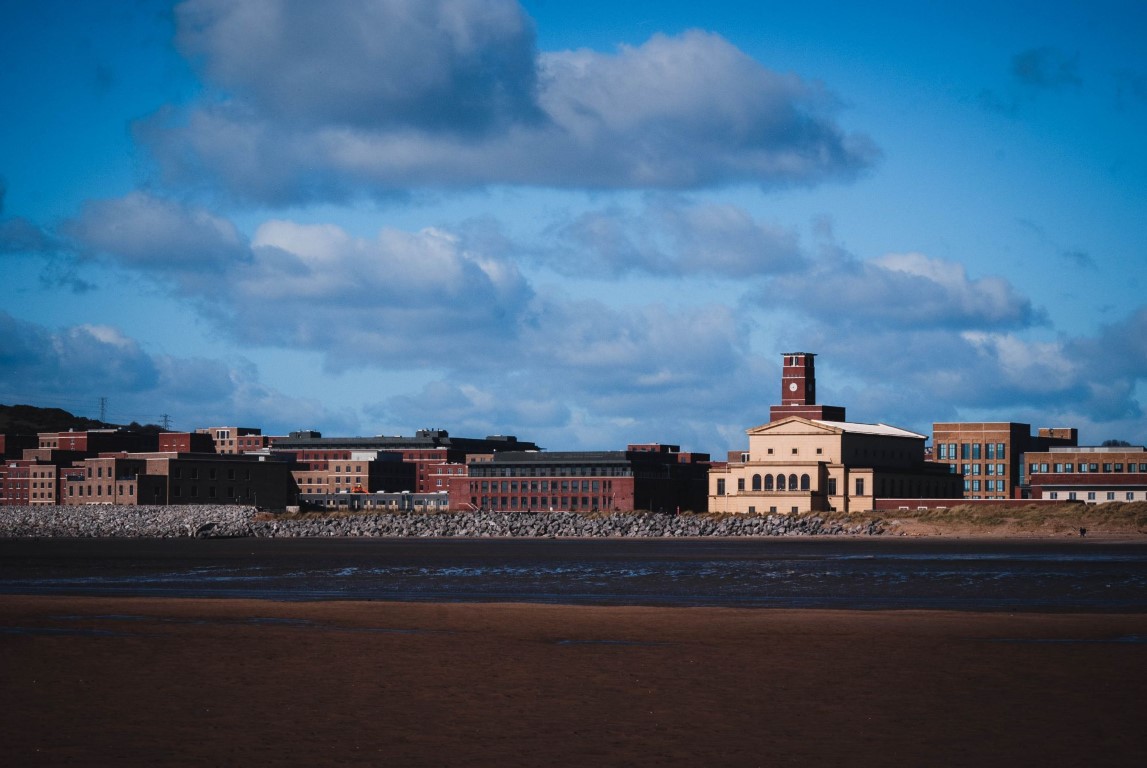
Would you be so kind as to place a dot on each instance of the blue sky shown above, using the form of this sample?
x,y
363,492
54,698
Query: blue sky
x,y
580,223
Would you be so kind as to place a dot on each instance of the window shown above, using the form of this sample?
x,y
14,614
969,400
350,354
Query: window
x,y
805,482
860,486
780,482
792,482
832,486
740,484
941,451
1131,495
1071,496
1053,495
975,450
720,486
1091,495
794,451
1111,495
1107,467
756,482
975,485
991,451
1118,467
819,451
1001,451
965,451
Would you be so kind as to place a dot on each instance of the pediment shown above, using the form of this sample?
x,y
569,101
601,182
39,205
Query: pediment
x,y
793,425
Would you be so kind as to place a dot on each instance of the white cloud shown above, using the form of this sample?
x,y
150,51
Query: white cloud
x,y
903,290
379,96
672,238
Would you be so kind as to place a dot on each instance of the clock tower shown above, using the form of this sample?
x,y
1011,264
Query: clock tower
x,y
798,379
798,391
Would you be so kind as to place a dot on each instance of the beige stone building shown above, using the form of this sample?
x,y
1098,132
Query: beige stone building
x,y
796,464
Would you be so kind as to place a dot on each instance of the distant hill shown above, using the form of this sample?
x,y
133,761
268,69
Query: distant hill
x,y
29,420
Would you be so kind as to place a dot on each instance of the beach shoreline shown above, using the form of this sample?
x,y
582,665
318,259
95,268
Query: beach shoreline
x,y
139,681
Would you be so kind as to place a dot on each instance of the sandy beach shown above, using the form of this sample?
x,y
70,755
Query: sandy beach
x,y
137,681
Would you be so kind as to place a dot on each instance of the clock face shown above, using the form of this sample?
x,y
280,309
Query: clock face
x,y
792,386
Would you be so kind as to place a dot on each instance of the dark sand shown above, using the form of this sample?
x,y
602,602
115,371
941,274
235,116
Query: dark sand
x,y
136,681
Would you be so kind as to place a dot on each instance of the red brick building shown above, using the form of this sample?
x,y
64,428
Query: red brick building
x,y
1094,475
988,454
231,440
434,454
652,478
171,478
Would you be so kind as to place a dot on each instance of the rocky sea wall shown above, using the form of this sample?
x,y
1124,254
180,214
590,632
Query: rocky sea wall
x,y
220,521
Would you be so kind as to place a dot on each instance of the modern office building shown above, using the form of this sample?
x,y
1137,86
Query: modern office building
x,y
987,454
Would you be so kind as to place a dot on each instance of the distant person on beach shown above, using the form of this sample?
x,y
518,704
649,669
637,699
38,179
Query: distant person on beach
x,y
1082,532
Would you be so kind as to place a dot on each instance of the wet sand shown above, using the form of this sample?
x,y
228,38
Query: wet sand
x,y
138,681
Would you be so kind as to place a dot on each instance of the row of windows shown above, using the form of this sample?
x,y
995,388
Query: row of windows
x,y
1086,467
486,471
544,486
193,473
980,469
543,502
971,451
988,485
769,483
193,492
1091,495
98,490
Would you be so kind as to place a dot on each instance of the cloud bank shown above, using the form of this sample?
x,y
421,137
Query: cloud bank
x,y
304,104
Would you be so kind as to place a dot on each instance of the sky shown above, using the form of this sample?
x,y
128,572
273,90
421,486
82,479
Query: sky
x,y
585,224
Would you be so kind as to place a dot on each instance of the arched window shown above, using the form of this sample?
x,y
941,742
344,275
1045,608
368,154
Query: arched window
x,y
805,481
768,482
792,482
780,482
756,482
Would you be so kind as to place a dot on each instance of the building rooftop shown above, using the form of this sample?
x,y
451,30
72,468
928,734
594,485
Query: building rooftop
x,y
871,429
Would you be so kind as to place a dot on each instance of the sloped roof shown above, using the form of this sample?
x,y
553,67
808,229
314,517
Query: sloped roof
x,y
872,429
840,426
